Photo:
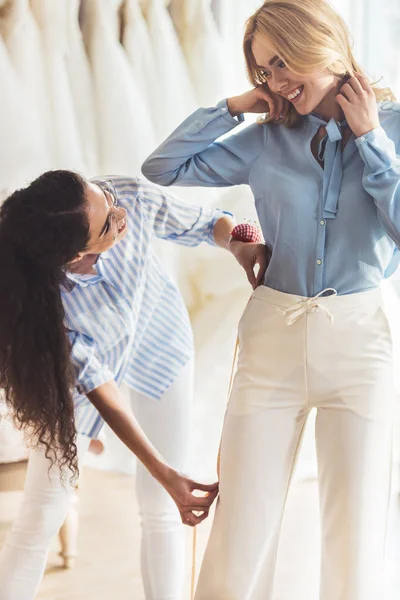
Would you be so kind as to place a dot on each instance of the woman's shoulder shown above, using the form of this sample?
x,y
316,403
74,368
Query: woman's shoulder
x,y
389,113
390,105
389,117
130,190
133,187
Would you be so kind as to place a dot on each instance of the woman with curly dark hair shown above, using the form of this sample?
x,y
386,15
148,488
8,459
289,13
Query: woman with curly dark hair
x,y
85,305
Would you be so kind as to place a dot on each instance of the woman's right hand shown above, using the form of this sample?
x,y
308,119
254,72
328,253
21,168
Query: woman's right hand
x,y
193,509
107,399
257,100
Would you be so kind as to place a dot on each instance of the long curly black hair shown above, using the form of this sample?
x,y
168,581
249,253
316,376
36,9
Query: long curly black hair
x,y
42,228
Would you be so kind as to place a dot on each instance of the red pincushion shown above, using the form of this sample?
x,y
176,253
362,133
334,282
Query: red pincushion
x,y
245,232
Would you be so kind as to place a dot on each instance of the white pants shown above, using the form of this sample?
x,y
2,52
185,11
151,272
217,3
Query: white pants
x,y
167,424
46,501
344,369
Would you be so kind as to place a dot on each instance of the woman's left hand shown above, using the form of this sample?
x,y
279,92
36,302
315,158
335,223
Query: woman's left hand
x,y
358,102
248,256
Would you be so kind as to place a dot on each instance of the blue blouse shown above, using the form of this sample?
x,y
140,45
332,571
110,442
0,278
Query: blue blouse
x,y
337,226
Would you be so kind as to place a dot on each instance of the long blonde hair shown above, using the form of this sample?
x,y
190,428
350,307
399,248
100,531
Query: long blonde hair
x,y
308,35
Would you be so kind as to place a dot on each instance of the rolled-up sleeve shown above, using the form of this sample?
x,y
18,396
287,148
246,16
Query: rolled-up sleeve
x,y
178,221
90,373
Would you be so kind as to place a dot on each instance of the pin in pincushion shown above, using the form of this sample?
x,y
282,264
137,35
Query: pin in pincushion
x,y
246,232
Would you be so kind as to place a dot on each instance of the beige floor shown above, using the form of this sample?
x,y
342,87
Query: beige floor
x,y
108,563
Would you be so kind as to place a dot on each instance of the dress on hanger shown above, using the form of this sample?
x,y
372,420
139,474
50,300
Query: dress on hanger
x,y
138,47
176,97
22,38
22,154
81,84
209,64
52,18
231,16
124,126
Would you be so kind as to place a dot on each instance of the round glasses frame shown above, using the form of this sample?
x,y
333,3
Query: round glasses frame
x,y
107,185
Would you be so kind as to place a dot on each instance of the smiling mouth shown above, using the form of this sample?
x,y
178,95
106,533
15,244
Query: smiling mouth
x,y
296,94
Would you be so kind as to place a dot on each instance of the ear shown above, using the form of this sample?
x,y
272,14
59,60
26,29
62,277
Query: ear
x,y
77,258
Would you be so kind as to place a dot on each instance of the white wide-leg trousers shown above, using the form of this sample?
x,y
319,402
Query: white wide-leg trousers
x,y
333,353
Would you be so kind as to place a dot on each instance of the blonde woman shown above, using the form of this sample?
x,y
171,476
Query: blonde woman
x,y
325,176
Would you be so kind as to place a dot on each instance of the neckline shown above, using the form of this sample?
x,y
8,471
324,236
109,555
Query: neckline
x,y
347,151
321,121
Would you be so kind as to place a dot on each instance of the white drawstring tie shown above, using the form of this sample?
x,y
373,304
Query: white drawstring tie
x,y
293,313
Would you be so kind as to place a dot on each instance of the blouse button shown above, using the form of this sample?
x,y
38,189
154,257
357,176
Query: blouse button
x,y
319,262
224,109
322,222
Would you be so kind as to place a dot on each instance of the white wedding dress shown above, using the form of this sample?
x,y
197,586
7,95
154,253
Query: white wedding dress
x,y
81,85
176,97
206,54
231,16
22,151
159,66
22,39
52,18
138,47
125,130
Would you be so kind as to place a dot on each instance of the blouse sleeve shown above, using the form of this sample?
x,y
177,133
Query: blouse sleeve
x,y
191,156
90,373
175,220
381,178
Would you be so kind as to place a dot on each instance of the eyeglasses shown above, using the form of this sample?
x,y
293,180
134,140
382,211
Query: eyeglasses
x,y
108,188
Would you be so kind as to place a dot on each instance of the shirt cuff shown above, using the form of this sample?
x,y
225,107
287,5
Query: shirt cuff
x,y
223,108
217,215
95,381
377,150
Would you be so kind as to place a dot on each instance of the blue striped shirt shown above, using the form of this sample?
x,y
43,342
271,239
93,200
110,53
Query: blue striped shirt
x,y
128,322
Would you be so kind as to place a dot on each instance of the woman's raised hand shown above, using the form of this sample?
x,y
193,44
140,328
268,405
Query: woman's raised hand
x,y
257,100
358,102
